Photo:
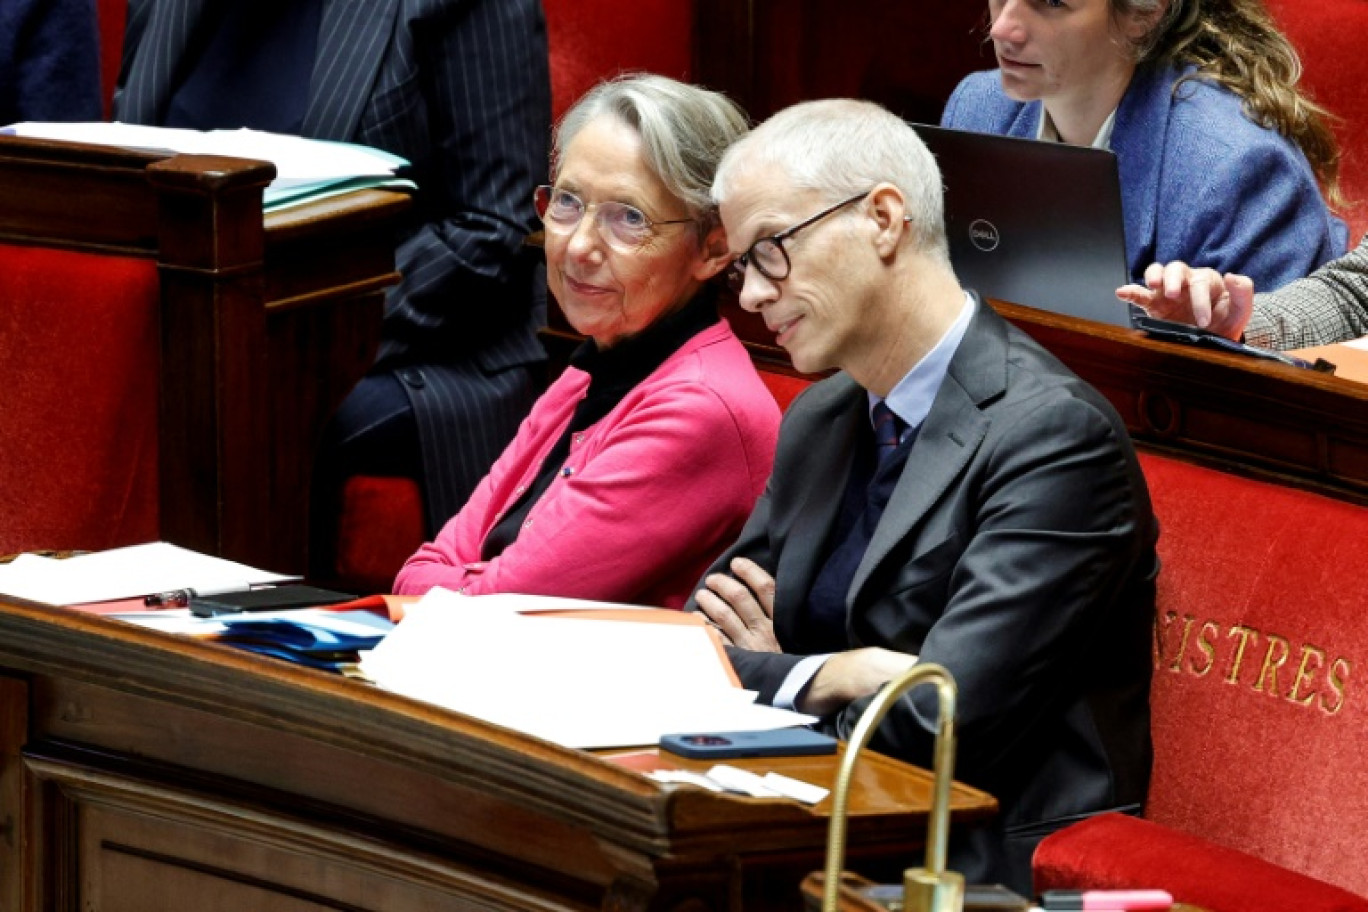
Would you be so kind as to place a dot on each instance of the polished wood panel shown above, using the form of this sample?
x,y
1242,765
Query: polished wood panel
x,y
266,322
163,773
1237,413
13,730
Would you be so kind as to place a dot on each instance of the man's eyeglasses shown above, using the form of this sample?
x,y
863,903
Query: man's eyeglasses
x,y
623,226
768,253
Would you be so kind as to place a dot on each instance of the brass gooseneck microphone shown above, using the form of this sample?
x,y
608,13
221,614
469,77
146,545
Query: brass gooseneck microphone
x,y
926,889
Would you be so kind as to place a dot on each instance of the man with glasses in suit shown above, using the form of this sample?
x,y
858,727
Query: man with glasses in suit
x,y
952,495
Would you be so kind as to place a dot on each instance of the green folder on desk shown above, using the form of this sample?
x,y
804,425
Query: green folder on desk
x,y
280,195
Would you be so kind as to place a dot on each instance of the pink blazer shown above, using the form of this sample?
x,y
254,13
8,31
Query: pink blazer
x,y
648,496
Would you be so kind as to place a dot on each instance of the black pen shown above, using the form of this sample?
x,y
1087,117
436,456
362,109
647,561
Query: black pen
x,y
180,598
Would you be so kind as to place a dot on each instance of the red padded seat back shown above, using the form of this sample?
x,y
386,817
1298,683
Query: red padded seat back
x,y
1329,35
592,40
381,524
79,362
1260,694
784,387
111,15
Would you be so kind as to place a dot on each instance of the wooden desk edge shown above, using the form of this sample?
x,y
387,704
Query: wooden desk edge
x,y
45,641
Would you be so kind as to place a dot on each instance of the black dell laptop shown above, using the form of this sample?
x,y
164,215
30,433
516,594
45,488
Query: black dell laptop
x,y
1034,223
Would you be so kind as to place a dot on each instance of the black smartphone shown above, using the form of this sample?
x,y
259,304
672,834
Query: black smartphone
x,y
270,598
777,742
1192,335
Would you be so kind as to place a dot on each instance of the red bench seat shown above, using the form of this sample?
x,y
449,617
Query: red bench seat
x,y
1260,785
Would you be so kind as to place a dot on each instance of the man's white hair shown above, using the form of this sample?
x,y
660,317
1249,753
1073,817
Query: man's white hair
x,y
838,148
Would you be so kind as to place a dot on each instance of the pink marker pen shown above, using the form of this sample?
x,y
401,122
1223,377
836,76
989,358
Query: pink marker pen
x,y
1106,900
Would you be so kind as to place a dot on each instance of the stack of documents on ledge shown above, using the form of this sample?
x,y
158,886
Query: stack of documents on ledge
x,y
121,573
306,169
581,674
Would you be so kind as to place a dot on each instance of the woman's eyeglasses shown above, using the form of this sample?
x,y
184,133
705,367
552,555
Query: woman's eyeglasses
x,y
768,253
621,225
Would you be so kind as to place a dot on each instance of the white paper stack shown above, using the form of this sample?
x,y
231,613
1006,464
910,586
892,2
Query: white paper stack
x,y
577,682
125,573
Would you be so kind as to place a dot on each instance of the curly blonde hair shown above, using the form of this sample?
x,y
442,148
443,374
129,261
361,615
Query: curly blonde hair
x,y
1236,44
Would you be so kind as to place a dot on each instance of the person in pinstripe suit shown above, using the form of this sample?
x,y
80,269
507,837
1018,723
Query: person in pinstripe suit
x,y
460,88
1330,305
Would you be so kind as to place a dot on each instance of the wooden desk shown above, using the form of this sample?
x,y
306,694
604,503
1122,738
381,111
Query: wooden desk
x,y
141,771
266,322
1237,413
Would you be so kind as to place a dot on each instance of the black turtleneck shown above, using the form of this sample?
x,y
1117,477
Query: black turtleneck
x,y
613,373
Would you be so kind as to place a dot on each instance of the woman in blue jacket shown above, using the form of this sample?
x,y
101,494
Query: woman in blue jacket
x,y
1222,160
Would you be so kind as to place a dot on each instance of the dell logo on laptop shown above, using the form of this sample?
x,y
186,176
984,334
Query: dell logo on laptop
x,y
983,234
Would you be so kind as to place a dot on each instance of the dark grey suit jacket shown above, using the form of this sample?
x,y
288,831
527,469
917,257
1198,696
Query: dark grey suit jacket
x,y
1017,550
460,88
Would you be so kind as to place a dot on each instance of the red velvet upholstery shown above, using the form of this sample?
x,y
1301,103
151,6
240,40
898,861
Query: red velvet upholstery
x,y
110,15
1259,718
783,387
380,526
592,40
1115,852
79,356
1329,34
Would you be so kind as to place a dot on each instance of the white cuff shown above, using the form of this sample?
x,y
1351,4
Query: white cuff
x,y
799,677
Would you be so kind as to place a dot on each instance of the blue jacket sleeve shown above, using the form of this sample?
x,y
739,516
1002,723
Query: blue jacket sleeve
x,y
1242,200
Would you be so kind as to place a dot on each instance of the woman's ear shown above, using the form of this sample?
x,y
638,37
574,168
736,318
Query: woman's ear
x,y
1138,27
715,253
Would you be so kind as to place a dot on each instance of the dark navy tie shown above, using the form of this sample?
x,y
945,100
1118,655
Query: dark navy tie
x,y
888,430
867,493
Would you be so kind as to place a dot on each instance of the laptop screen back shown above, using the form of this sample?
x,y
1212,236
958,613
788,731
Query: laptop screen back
x,y
1034,223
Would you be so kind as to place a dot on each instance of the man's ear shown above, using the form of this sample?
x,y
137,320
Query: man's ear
x,y
887,206
716,254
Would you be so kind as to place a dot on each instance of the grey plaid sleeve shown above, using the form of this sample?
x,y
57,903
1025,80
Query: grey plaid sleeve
x,y
1330,305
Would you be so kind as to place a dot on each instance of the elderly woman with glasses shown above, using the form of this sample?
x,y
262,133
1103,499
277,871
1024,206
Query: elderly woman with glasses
x,y
642,461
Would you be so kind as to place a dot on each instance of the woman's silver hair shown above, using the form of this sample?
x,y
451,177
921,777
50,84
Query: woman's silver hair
x,y
840,147
684,130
